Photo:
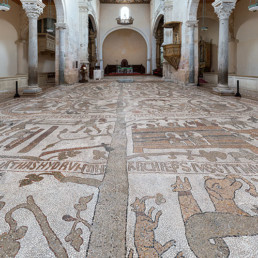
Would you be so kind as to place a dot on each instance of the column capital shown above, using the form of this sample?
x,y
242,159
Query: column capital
x,y
61,26
168,4
20,41
223,8
83,6
83,9
192,23
33,8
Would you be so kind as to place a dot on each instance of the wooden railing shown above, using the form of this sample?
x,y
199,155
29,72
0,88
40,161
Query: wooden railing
x,y
172,53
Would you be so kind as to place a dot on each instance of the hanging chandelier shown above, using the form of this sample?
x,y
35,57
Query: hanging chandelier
x,y
124,18
50,24
253,7
4,6
204,28
128,21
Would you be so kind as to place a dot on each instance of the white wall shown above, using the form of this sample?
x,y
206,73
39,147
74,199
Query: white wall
x,y
142,24
246,33
10,23
211,35
72,44
8,49
46,64
125,44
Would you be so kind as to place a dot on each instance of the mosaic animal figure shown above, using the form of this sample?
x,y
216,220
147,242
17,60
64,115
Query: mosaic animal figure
x,y
144,235
205,230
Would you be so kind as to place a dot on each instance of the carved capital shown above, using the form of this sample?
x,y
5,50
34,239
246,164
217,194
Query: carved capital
x,y
223,8
83,9
33,8
20,42
61,26
192,23
83,6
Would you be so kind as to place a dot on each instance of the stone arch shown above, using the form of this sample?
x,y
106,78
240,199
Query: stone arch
x,y
142,58
93,21
156,22
127,28
192,9
156,43
60,11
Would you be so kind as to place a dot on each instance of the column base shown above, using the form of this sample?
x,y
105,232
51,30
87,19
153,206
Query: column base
x,y
32,90
191,84
223,90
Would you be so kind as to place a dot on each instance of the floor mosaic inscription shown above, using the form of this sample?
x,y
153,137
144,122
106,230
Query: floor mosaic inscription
x,y
143,169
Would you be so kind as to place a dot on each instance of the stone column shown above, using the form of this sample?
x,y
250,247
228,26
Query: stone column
x,y
20,56
84,32
158,54
168,37
101,63
33,9
93,48
153,49
148,65
223,8
191,25
60,28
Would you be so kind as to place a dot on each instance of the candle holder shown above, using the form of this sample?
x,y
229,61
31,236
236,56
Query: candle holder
x,y
83,72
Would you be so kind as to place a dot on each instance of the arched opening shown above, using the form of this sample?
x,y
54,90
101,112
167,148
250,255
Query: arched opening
x,y
15,33
47,45
157,45
13,48
242,49
124,44
246,40
92,46
208,39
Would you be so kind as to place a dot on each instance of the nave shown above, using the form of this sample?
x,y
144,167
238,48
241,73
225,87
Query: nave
x,y
139,169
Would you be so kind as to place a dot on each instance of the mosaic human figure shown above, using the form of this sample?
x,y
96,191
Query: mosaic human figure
x,y
205,230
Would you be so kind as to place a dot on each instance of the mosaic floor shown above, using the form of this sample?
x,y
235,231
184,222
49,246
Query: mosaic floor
x,y
143,169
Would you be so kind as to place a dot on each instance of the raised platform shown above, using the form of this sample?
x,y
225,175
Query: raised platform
x,y
125,80
123,74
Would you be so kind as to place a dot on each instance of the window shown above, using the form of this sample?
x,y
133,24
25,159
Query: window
x,y
125,13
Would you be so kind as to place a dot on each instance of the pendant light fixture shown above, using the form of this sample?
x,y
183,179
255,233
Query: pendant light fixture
x,y
204,28
50,24
4,6
253,7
